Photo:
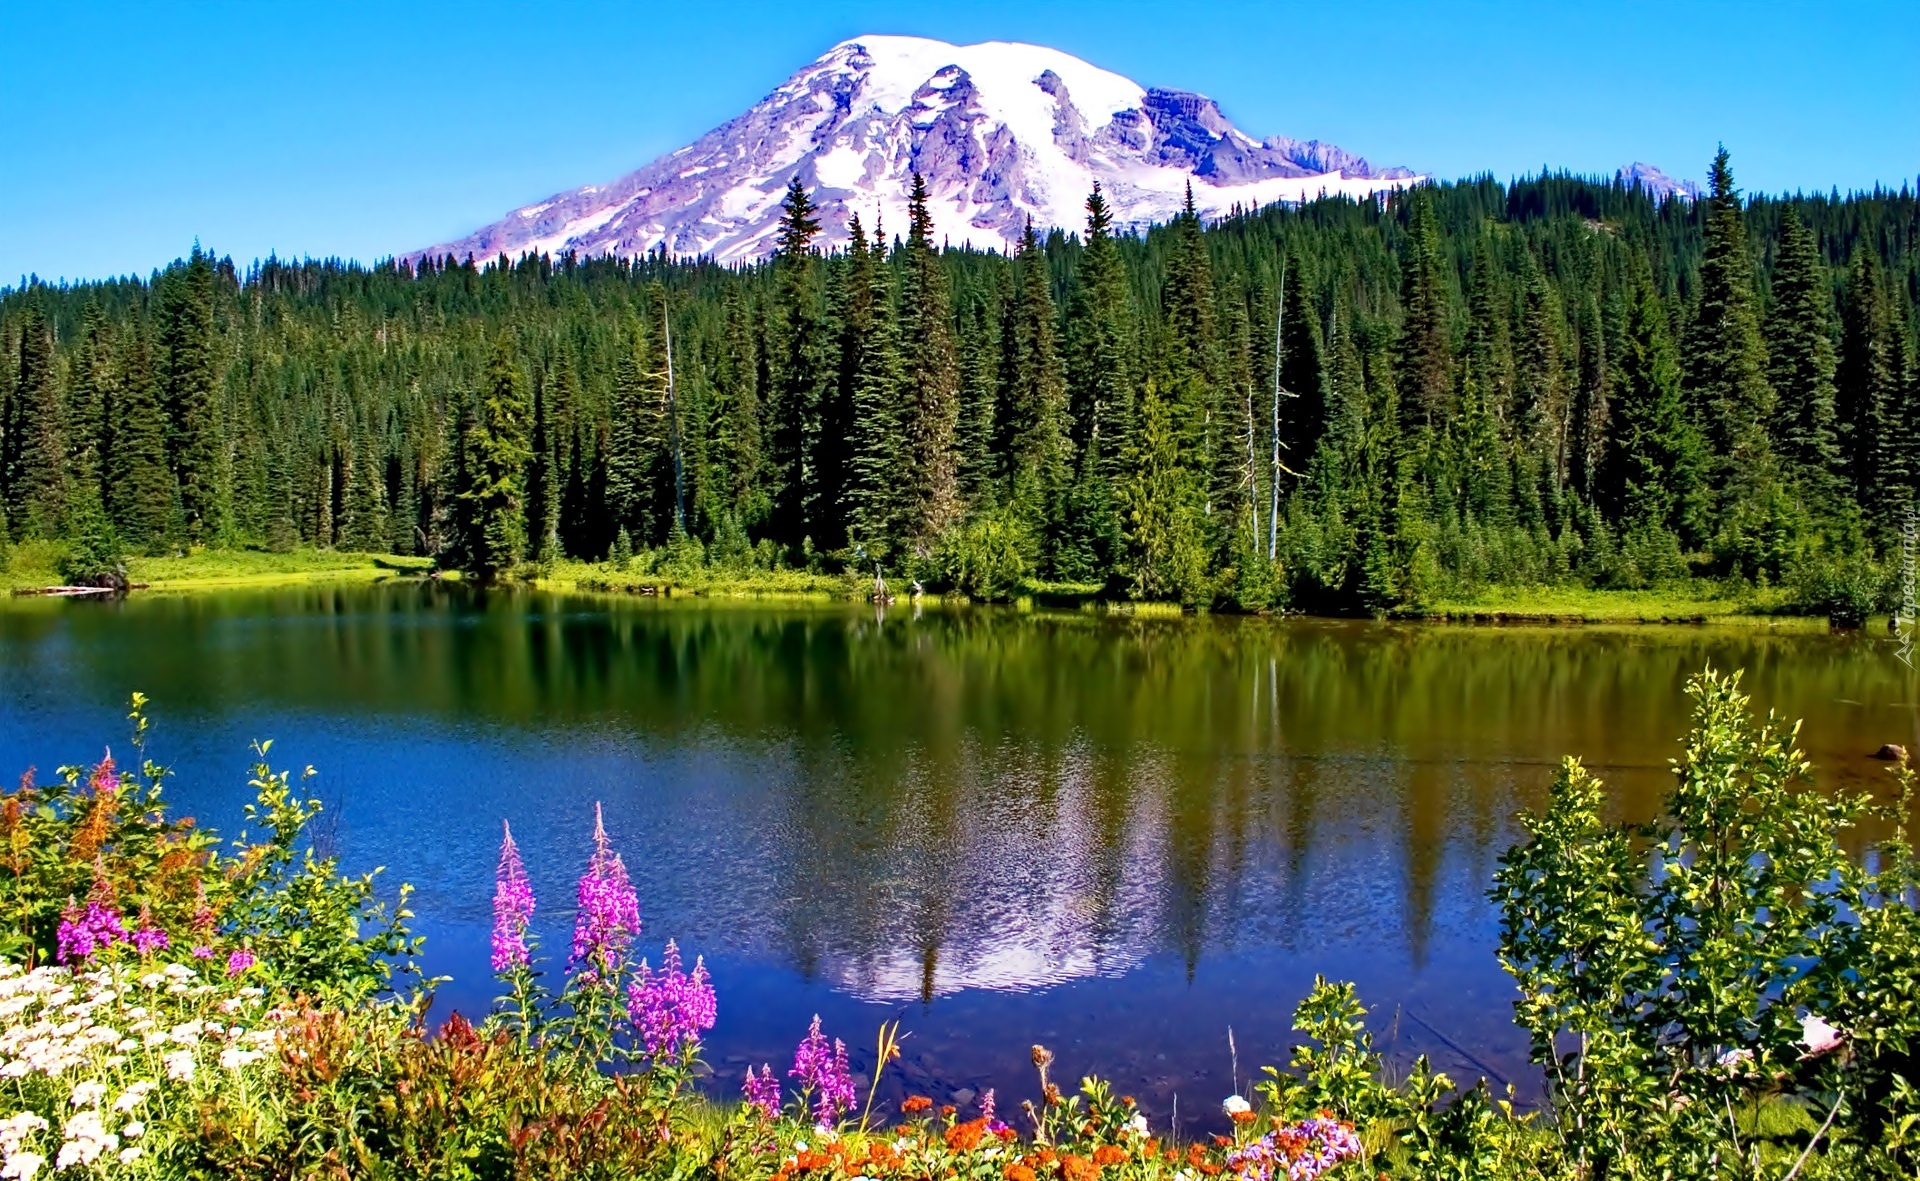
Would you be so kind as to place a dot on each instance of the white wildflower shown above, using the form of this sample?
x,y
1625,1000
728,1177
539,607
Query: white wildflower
x,y
133,1130
129,1155
1817,1036
179,1065
133,1096
23,1165
88,1093
1234,1105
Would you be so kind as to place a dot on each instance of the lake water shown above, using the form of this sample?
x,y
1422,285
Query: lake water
x,y
1117,837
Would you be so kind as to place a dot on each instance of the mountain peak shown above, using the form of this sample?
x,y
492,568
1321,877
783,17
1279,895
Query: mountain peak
x,y
1002,131
1658,184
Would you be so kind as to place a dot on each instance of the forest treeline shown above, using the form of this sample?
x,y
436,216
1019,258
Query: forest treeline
x,y
1342,405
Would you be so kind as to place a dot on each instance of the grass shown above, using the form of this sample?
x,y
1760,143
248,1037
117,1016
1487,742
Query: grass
x,y
36,564
705,582
1697,602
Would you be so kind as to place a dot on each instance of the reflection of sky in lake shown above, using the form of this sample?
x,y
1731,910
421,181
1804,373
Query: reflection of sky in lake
x,y
1116,838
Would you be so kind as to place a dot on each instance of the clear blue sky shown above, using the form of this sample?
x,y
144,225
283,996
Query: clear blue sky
x,y
360,130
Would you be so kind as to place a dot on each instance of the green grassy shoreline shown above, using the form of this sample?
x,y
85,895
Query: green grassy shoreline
x,y
31,566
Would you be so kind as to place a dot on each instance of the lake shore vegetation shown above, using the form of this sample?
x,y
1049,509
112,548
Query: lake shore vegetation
x,y
1458,391
1721,993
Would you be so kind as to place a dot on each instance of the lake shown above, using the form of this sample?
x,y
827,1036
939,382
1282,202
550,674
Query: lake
x,y
1119,837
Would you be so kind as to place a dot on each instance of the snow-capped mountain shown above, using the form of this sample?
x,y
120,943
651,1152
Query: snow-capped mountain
x,y
1658,184
1001,131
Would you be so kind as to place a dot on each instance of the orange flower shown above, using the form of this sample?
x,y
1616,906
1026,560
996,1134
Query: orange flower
x,y
1078,1168
1107,1154
966,1137
1019,1173
915,1104
948,1109
1243,1117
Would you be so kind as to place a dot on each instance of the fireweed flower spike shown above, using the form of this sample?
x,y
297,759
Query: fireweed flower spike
x,y
763,1092
823,1071
512,908
671,1008
608,918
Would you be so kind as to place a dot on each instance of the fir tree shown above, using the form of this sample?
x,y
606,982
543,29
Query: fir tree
x,y
141,498
979,381
1100,362
800,372
497,452
1800,348
33,463
932,411
188,390
1867,388
1651,470
1426,338
875,511
1726,377
1034,447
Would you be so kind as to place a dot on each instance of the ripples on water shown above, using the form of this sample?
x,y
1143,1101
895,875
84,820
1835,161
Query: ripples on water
x,y
1116,837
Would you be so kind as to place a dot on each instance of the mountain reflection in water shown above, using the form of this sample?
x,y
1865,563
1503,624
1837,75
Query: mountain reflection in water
x,y
1118,836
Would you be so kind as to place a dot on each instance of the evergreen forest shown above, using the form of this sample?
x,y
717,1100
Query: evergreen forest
x,y
1333,407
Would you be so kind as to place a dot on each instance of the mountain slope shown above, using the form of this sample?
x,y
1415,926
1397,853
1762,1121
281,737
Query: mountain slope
x,y
1002,132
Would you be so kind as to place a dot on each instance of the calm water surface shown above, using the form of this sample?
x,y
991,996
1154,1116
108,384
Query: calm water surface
x,y
1119,838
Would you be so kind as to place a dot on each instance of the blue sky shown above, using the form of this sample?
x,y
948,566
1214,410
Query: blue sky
x,y
360,130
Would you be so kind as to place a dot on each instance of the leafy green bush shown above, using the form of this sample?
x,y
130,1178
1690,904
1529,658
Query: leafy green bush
x,y
987,557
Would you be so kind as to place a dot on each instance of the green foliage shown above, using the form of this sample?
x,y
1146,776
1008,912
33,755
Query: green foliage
x,y
1676,976
988,557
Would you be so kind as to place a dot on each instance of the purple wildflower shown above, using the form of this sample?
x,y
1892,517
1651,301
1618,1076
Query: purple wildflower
x,y
149,939
1301,1152
671,1007
83,932
986,1106
240,961
203,952
512,908
763,1092
608,918
824,1071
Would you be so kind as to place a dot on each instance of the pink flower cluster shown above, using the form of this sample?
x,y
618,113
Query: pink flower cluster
x,y
608,918
1301,1152
824,1071
512,909
763,1092
81,933
671,1008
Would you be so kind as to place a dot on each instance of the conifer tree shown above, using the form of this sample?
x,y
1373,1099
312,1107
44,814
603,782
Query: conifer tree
x,y
1540,385
497,451
1588,428
1726,377
979,381
1490,332
33,463
1426,338
800,371
737,410
188,389
1800,349
90,399
1100,362
1867,387
141,497
932,411
875,509
1651,473
1033,425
